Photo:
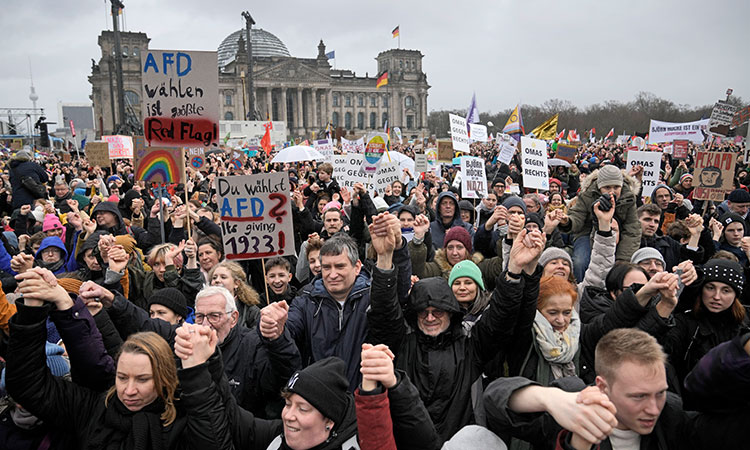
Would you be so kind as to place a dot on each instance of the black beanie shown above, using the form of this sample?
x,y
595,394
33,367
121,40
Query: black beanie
x,y
171,298
725,271
535,218
325,386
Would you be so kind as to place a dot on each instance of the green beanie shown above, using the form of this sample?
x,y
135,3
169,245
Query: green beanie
x,y
466,268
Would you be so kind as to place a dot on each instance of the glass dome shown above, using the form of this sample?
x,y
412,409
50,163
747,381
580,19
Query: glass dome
x,y
264,44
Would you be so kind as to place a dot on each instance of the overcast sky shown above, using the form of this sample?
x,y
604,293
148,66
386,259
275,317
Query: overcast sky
x,y
584,51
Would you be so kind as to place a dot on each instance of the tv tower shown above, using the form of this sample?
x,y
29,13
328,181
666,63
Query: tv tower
x,y
33,95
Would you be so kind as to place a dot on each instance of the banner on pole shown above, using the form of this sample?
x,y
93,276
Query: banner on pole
x,y
669,131
651,162
180,102
256,215
534,163
120,147
473,178
714,175
459,134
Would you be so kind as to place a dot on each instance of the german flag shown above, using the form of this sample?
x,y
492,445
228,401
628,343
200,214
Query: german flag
x,y
395,31
382,80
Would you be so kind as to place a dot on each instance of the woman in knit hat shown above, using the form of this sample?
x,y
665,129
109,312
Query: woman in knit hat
x,y
728,232
467,285
716,316
169,305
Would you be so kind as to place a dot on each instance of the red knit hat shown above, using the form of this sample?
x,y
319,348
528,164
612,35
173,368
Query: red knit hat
x,y
458,234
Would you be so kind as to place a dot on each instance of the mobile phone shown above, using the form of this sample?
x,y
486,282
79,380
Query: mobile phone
x,y
680,284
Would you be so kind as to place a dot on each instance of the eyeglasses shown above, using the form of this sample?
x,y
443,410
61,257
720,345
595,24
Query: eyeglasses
x,y
436,313
213,317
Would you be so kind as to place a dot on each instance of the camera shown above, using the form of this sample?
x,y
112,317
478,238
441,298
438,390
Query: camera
x,y
604,203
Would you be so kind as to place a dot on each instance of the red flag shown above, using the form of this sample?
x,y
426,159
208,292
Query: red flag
x,y
561,135
573,136
265,141
610,134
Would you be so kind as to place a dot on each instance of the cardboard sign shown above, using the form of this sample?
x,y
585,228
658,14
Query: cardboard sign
x,y
714,175
325,147
566,152
741,116
256,215
680,149
180,98
420,163
196,158
139,143
159,165
97,154
669,131
473,178
66,157
651,162
534,163
120,147
721,116
459,133
444,151
478,132
357,146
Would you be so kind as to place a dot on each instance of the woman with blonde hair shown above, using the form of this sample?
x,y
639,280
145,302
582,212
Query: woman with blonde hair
x,y
231,276
143,410
166,261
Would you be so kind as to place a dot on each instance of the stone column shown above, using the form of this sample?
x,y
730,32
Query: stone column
x,y
424,110
379,119
314,108
355,110
300,115
283,109
329,105
269,103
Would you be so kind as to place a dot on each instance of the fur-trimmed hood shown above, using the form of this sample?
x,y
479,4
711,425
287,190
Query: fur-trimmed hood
x,y
632,183
442,260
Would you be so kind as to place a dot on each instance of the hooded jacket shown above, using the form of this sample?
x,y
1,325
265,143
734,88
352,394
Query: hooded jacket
x,y
673,211
582,219
444,367
438,229
142,237
57,267
23,166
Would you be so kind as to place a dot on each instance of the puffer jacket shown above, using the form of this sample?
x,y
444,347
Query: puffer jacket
x,y
443,368
438,229
83,412
21,167
582,218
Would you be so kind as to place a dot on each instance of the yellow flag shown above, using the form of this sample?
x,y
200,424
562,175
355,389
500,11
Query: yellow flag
x,y
547,130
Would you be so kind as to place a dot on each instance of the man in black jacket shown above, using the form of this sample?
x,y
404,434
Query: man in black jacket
x,y
672,251
628,408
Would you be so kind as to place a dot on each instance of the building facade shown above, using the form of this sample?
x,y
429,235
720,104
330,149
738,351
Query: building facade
x,y
306,93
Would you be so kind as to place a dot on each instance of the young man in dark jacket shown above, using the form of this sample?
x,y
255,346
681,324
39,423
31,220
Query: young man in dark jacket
x,y
628,408
448,215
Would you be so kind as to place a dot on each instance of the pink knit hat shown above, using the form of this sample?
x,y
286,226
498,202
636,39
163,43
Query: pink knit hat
x,y
52,222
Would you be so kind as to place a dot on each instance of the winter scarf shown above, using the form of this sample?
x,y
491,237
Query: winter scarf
x,y
558,348
125,429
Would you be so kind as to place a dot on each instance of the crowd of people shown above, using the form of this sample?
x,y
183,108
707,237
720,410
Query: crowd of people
x,y
585,316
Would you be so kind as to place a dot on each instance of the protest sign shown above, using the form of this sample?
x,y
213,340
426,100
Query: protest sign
x,y
714,175
387,173
669,131
325,147
459,134
139,143
622,139
196,158
741,116
667,149
120,147
357,146
66,157
721,118
507,150
432,160
180,98
420,163
444,151
478,132
97,154
347,170
566,152
680,149
375,146
473,178
256,215
534,163
651,162
159,165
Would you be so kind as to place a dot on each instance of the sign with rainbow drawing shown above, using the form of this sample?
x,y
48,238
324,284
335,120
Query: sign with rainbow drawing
x,y
160,165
